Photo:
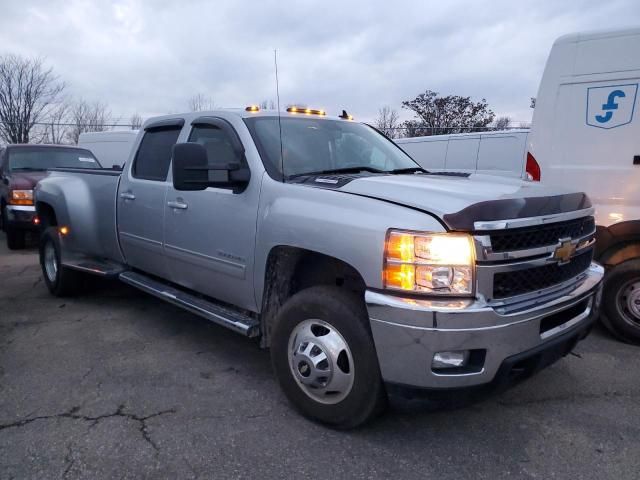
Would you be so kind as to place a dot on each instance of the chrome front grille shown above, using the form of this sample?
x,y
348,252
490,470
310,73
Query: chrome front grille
x,y
519,261
539,236
519,282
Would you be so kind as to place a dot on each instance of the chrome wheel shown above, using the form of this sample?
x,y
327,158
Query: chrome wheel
x,y
321,361
628,302
50,262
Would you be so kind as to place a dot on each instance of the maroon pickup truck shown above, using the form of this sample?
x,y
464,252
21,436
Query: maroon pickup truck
x,y
21,167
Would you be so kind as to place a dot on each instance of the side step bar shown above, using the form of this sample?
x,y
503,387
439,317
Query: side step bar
x,y
96,267
219,314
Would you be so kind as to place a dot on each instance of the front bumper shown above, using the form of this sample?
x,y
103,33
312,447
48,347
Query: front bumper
x,y
408,332
21,217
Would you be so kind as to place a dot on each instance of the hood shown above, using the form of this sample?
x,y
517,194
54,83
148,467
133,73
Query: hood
x,y
25,180
460,200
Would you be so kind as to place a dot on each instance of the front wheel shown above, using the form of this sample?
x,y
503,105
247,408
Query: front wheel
x,y
324,357
60,280
621,302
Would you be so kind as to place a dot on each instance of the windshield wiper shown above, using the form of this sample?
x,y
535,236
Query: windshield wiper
x,y
28,169
408,170
338,170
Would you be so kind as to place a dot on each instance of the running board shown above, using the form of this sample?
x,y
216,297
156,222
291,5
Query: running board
x,y
96,267
219,314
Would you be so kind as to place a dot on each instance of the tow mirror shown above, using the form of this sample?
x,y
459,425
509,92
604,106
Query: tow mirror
x,y
191,170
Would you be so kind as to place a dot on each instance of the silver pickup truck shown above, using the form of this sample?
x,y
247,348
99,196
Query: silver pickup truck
x,y
364,274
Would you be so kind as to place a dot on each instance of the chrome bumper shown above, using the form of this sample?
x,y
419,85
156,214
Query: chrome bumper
x,y
408,332
21,215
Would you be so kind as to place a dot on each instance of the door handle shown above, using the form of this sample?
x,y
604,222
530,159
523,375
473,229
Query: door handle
x,y
127,196
180,205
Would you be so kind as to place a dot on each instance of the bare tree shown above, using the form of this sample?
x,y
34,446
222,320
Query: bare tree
x,y
27,91
388,122
56,129
88,117
502,123
200,102
267,105
135,121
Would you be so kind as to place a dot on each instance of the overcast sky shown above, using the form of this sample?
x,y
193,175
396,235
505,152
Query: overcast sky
x,y
151,56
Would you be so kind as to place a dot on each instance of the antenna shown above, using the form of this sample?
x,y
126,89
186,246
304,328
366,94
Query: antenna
x,y
275,61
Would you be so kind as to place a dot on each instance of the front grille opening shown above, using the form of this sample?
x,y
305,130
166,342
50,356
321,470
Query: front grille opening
x,y
519,282
559,318
541,235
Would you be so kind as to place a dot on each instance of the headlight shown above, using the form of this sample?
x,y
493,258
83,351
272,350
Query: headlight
x,y
21,197
435,263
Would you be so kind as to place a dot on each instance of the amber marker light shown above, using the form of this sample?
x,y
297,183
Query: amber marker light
x,y
64,230
307,111
253,108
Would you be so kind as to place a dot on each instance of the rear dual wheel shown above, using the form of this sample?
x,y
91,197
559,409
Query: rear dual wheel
x,y
60,280
324,357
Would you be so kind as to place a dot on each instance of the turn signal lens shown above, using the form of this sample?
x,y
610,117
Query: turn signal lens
x,y
434,263
21,197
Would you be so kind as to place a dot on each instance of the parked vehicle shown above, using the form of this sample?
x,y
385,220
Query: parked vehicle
x,y
363,273
586,135
493,153
21,167
111,147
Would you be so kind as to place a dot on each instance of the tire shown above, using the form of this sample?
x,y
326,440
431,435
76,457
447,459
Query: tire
x,y
621,301
15,237
61,281
345,391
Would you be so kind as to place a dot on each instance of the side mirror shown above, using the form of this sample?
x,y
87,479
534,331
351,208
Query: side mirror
x,y
191,170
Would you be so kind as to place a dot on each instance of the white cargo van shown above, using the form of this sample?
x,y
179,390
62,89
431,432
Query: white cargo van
x,y
110,148
495,153
586,135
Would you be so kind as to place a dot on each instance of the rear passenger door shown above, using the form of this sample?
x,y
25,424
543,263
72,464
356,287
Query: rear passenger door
x,y
141,198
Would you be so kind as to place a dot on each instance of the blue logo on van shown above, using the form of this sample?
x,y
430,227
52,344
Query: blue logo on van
x,y
611,106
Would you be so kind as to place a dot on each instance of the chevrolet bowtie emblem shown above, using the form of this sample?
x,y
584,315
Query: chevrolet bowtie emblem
x,y
564,252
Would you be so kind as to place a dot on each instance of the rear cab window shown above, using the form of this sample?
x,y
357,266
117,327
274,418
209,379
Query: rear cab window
x,y
154,154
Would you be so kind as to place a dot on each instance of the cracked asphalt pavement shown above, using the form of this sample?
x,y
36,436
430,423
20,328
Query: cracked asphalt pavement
x,y
116,384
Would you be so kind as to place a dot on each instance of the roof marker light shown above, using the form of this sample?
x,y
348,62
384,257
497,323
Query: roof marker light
x,y
253,108
307,111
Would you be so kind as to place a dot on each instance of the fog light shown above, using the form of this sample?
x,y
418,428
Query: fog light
x,y
442,360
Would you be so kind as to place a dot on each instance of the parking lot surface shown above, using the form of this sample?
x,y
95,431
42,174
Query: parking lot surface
x,y
116,384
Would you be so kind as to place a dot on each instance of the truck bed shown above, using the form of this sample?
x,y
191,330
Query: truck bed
x,y
85,201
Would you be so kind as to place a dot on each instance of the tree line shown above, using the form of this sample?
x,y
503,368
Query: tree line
x,y
435,114
35,106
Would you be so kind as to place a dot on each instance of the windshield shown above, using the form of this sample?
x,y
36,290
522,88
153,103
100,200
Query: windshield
x,y
318,145
42,158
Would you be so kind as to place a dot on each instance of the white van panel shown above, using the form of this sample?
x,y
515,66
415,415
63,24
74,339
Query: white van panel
x,y
586,125
502,155
462,154
430,155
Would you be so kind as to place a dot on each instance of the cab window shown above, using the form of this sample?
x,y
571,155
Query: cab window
x,y
154,154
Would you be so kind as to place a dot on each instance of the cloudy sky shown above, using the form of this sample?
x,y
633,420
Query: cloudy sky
x,y
152,56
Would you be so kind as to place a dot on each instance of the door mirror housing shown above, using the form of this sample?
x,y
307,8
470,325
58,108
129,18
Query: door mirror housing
x,y
191,170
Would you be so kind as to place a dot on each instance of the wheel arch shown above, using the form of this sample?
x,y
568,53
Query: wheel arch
x,y
46,215
618,243
292,269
